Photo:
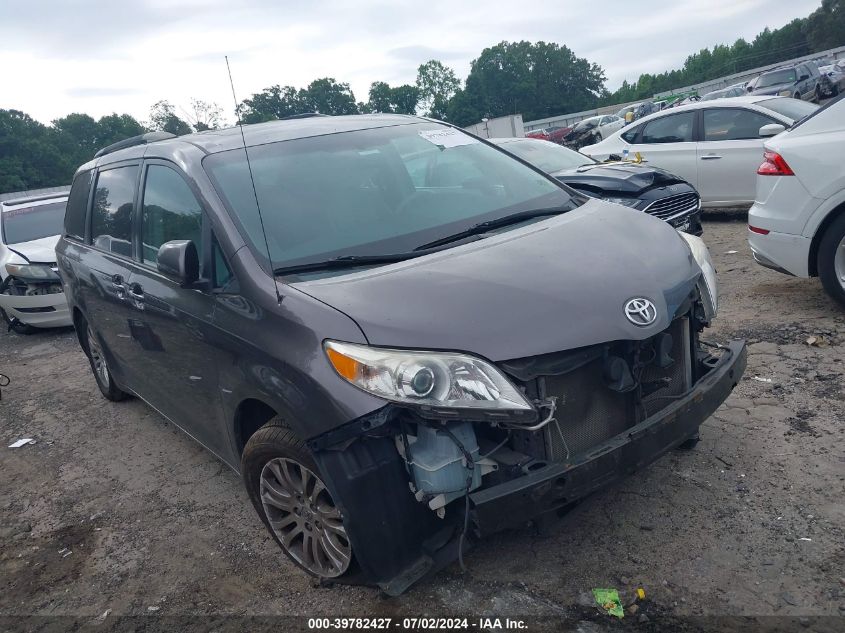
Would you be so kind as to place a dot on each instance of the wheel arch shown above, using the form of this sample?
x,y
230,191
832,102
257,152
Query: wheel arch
x,y
250,415
830,218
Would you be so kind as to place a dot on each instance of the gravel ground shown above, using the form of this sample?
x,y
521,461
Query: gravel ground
x,y
113,509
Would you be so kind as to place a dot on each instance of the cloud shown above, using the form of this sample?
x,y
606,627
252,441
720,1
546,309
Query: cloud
x,y
102,56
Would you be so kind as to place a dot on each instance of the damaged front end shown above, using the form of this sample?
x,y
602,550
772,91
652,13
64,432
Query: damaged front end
x,y
416,483
32,295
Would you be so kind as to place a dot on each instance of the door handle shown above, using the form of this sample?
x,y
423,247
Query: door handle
x,y
118,285
136,293
710,157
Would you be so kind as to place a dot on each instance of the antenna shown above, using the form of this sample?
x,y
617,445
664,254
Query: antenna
x,y
252,179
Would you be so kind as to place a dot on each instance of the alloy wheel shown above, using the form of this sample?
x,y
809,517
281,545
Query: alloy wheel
x,y
304,518
98,360
839,262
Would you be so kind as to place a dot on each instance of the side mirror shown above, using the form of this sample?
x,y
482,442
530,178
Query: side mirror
x,y
803,77
178,260
772,129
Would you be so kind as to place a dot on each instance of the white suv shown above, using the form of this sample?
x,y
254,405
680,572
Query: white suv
x,y
797,222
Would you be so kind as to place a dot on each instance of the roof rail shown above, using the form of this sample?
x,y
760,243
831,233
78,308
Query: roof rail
x,y
303,115
141,139
36,198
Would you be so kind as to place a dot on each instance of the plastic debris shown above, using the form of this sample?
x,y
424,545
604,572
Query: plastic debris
x,y
153,609
731,252
640,593
22,442
758,379
804,538
608,599
816,341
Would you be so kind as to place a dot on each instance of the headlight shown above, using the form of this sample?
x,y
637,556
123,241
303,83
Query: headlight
x,y
625,202
710,292
436,379
30,272
785,93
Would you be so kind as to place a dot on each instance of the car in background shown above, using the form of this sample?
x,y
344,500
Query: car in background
x,y
800,81
833,76
592,130
737,90
31,293
797,222
555,133
636,186
713,145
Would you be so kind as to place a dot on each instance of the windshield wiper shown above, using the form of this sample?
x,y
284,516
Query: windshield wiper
x,y
484,227
346,261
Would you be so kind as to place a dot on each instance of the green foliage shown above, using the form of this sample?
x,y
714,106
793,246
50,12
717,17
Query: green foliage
x,y
163,118
325,96
400,100
437,84
537,79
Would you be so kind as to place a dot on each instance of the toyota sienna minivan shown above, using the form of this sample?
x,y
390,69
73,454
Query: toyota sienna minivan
x,y
402,338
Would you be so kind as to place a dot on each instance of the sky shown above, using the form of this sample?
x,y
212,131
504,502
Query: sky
x,y
104,56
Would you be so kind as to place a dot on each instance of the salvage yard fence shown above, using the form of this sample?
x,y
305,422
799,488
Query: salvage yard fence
x,y
565,120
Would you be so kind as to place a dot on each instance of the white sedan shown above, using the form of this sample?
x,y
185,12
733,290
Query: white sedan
x,y
714,145
797,223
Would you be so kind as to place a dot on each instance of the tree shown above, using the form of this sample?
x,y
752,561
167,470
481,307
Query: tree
x,y
436,84
205,115
28,156
536,79
275,102
163,117
327,96
400,100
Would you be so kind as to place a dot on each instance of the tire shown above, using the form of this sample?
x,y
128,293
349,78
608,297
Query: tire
x,y
690,443
797,95
831,260
287,491
99,365
598,137
818,94
17,326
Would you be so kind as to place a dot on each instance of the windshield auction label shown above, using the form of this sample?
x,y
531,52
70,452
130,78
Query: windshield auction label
x,y
448,138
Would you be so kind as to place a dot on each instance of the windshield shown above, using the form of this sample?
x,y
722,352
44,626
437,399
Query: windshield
x,y
777,77
24,224
373,192
794,109
547,156
714,95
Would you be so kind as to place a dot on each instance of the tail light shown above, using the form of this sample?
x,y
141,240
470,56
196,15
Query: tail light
x,y
757,229
774,165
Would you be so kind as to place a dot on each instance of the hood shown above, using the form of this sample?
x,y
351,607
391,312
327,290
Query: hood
x,y
42,250
617,177
772,90
554,285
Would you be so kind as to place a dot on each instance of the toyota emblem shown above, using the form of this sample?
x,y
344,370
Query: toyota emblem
x,y
640,311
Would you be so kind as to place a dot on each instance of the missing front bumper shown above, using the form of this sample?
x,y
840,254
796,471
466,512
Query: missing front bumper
x,y
398,540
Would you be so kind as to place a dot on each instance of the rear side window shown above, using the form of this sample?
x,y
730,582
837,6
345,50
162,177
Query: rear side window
x,y
111,216
733,124
170,212
77,206
631,134
675,128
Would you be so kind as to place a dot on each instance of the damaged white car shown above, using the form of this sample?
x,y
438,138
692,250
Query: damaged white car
x,y
31,293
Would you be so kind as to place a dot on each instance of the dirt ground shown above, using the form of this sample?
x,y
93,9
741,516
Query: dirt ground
x,y
115,510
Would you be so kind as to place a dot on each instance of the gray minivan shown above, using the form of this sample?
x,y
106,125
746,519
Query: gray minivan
x,y
401,337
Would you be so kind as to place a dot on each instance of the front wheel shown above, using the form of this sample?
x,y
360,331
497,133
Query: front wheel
x,y
16,326
818,94
797,95
289,494
831,260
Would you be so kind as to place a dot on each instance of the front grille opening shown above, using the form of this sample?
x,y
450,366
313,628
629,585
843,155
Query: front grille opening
x,y
589,412
673,205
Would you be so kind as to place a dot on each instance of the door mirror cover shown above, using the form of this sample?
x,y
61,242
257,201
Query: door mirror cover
x,y
178,260
771,129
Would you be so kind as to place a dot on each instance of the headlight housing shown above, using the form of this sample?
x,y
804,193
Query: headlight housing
x,y
625,202
710,291
434,379
785,93
30,272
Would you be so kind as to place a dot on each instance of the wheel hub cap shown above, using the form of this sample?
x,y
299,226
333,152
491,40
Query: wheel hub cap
x,y
304,518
